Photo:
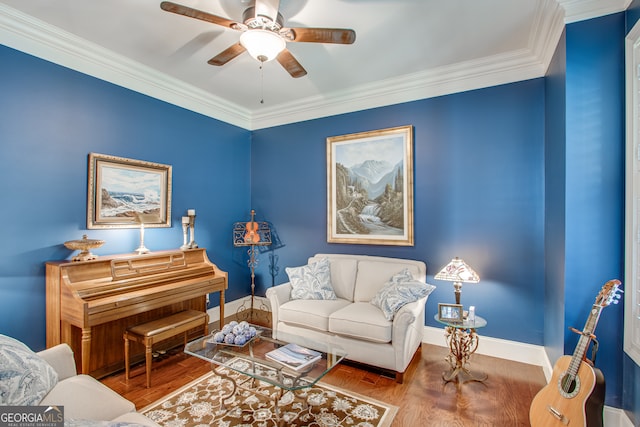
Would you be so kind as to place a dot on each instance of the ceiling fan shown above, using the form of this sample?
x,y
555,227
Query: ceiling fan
x,y
263,34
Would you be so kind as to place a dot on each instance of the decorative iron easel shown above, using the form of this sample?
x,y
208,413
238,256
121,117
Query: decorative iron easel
x,y
252,233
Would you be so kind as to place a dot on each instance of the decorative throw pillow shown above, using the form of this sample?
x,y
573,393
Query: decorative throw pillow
x,y
400,290
312,281
25,377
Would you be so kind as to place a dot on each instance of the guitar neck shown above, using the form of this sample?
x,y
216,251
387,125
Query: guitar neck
x,y
585,339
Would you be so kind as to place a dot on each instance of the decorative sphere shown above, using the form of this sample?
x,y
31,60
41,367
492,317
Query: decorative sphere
x,y
252,331
229,338
226,329
218,337
240,340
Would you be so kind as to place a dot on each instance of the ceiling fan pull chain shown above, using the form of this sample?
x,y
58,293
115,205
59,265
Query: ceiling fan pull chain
x,y
261,83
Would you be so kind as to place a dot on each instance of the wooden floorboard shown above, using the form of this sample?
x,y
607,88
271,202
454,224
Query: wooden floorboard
x,y
424,399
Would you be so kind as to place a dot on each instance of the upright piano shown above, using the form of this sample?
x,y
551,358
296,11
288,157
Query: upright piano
x,y
90,303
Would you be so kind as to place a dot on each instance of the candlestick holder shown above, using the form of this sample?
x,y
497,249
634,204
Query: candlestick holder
x,y
192,228
185,228
142,249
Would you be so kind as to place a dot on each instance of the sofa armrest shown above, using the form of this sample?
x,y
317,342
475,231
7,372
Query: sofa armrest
x,y
60,357
277,295
408,330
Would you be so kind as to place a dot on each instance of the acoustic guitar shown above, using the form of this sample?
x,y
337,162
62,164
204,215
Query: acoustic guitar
x,y
252,235
574,383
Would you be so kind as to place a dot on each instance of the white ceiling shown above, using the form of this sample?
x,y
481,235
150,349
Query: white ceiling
x,y
404,50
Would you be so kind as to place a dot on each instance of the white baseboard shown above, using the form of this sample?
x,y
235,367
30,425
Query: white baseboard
x,y
616,417
488,346
496,347
232,307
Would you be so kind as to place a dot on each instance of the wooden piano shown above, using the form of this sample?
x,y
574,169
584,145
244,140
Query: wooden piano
x,y
90,303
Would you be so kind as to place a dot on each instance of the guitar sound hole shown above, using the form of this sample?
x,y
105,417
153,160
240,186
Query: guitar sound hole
x,y
569,386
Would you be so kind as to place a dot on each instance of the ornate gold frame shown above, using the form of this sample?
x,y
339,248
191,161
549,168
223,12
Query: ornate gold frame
x,y
344,193
103,168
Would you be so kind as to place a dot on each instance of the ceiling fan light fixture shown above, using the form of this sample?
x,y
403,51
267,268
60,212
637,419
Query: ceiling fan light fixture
x,y
262,45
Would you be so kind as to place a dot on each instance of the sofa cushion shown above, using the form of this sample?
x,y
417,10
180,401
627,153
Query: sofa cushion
x,y
343,274
311,281
361,320
373,275
25,377
84,397
400,290
310,314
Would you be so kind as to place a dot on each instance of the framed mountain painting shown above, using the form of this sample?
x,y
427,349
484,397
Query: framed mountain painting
x,y
370,187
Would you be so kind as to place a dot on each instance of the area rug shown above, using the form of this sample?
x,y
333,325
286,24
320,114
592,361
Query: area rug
x,y
252,405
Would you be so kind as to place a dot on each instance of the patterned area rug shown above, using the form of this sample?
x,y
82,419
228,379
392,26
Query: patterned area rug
x,y
253,404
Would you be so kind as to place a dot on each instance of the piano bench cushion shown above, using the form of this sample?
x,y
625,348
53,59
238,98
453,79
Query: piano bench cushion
x,y
159,326
25,377
84,397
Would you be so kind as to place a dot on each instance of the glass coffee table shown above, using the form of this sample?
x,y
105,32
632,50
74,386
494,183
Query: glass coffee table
x,y
250,360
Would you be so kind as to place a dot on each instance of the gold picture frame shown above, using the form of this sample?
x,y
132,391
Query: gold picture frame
x,y
370,187
123,192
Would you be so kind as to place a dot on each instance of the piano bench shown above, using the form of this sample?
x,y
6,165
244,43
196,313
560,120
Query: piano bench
x,y
161,329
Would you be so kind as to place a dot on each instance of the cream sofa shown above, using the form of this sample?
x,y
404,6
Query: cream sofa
x,y
350,321
49,378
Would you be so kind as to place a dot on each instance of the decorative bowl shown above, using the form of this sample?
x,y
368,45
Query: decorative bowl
x,y
84,247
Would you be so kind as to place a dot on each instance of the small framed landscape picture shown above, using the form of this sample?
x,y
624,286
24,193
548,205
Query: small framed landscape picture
x,y
124,192
450,312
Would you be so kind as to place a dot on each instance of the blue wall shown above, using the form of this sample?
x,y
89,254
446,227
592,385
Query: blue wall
x,y
555,193
479,174
595,185
50,119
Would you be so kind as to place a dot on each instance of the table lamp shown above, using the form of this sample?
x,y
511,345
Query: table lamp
x,y
458,272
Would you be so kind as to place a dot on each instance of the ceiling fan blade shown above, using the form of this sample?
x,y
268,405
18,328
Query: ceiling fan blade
x,y
320,35
227,55
198,14
268,8
291,64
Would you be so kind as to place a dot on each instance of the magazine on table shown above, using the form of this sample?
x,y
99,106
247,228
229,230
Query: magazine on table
x,y
294,356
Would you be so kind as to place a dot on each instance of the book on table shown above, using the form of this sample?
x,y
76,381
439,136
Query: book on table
x,y
294,356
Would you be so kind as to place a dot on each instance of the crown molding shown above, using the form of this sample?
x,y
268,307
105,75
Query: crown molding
x,y
580,10
27,34
469,75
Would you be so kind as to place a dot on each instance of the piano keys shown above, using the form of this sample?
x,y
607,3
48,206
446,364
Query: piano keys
x,y
90,303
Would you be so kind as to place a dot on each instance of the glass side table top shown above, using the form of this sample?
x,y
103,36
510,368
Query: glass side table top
x,y
250,360
466,324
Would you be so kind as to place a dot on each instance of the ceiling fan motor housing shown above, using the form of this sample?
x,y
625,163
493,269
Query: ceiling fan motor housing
x,y
262,22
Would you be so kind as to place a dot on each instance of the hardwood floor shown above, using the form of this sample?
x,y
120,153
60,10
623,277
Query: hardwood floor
x,y
423,400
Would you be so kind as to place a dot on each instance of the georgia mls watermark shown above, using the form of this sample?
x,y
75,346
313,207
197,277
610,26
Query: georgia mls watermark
x,y
31,416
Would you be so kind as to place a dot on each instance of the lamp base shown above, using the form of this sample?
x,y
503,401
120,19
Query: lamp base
x,y
457,290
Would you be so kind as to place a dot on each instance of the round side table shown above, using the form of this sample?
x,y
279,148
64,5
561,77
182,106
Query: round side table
x,y
462,340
